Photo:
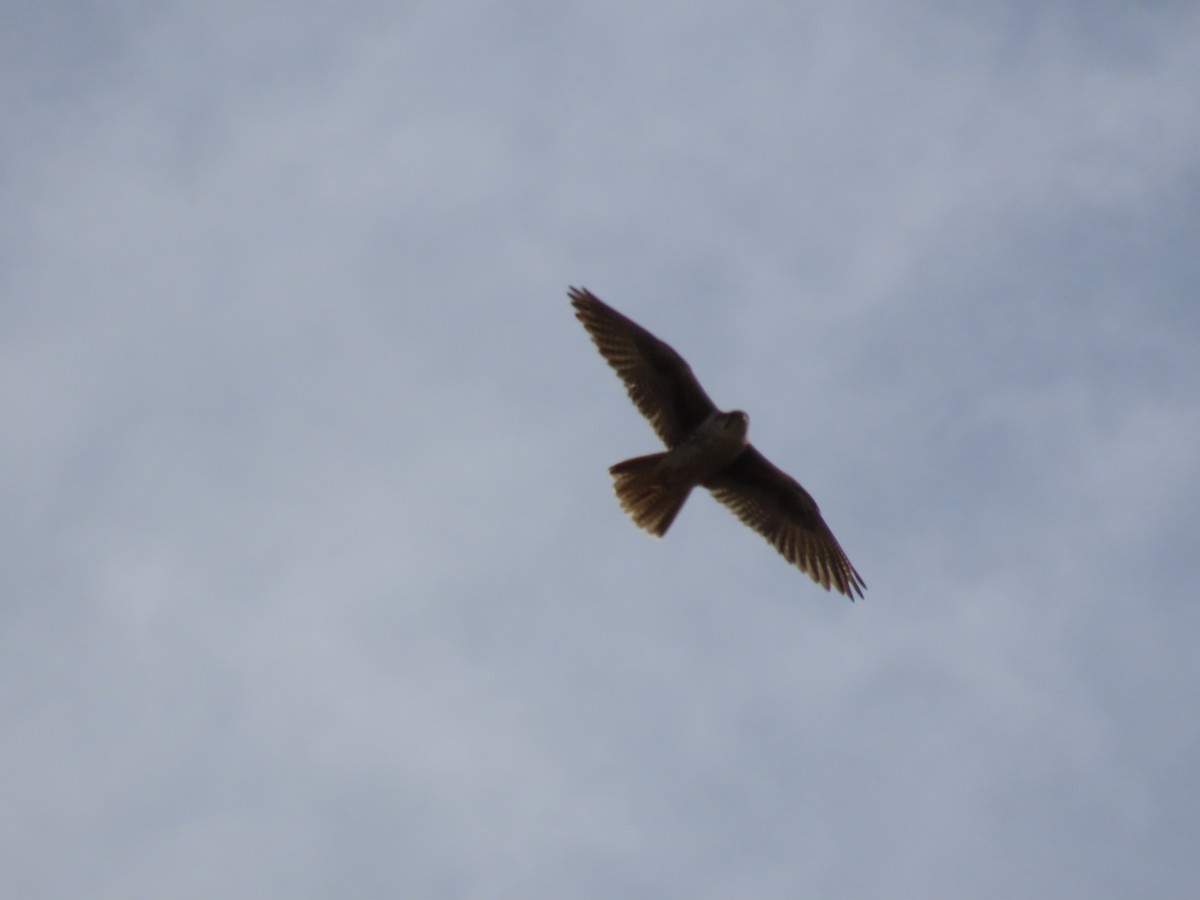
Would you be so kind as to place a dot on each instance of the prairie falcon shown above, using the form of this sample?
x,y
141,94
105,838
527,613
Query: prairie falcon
x,y
705,447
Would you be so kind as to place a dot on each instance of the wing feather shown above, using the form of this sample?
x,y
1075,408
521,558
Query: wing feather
x,y
660,383
775,505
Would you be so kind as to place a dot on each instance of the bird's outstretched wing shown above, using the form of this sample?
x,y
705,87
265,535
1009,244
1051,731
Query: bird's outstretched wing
x,y
658,380
772,503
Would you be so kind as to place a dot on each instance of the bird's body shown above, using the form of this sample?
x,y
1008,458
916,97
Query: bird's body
x,y
705,447
652,488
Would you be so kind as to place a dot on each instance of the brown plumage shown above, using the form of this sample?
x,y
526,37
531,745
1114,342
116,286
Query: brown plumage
x,y
705,447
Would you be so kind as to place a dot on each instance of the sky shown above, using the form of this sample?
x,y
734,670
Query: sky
x,y
312,582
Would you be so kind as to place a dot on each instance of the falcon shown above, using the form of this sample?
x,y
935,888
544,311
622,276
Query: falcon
x,y
705,447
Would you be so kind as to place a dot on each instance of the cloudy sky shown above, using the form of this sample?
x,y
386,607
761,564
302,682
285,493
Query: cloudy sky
x,y
312,580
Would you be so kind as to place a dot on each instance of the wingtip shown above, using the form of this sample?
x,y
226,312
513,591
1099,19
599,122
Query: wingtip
x,y
580,297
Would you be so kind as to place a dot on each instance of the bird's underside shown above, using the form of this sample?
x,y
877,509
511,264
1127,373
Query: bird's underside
x,y
705,447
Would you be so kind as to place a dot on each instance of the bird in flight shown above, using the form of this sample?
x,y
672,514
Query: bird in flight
x,y
705,447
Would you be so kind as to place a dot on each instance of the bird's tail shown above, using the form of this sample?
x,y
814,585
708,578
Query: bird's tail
x,y
647,493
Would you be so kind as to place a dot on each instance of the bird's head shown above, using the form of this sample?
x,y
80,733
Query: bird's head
x,y
736,422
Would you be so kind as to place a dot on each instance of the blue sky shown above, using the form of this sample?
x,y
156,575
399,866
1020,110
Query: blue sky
x,y
313,583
